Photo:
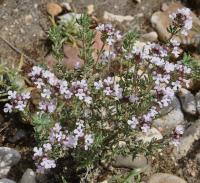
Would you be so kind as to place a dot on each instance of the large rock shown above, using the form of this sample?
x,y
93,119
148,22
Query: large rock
x,y
165,178
197,98
168,122
7,181
190,135
187,101
153,133
28,176
8,158
160,21
128,162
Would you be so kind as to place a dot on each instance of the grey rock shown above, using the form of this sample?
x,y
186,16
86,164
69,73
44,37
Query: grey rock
x,y
153,133
8,158
127,162
168,122
190,135
187,101
165,178
197,98
6,181
175,104
28,176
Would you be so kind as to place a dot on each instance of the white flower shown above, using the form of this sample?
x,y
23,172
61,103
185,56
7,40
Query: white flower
x,y
47,147
80,94
169,67
63,87
39,83
145,128
42,106
133,98
176,52
107,91
100,27
12,94
53,81
26,95
179,130
71,141
8,108
47,164
118,92
169,92
20,105
51,107
78,132
110,40
88,141
174,42
118,35
133,122
98,85
68,94
57,127
183,19
88,99
147,117
46,93
108,81
35,71
176,85
37,151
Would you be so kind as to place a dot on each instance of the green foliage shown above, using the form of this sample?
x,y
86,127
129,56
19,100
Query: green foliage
x,y
194,65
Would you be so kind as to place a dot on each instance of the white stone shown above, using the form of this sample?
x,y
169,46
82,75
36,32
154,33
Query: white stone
x,y
8,158
118,18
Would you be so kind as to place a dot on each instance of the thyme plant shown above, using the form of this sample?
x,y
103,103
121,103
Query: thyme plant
x,y
87,113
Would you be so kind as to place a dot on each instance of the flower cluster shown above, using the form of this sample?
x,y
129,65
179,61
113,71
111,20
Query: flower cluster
x,y
109,87
51,88
62,140
109,33
17,102
178,132
168,76
182,19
